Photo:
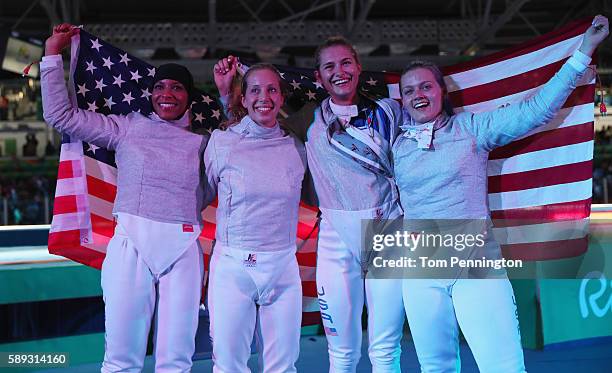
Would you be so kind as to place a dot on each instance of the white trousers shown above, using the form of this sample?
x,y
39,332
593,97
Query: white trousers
x,y
251,292
342,292
485,310
132,294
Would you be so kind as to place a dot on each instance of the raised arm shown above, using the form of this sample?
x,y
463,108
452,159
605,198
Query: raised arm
x,y
224,72
499,127
58,110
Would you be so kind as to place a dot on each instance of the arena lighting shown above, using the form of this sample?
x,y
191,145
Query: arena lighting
x,y
191,53
365,49
144,53
267,52
402,48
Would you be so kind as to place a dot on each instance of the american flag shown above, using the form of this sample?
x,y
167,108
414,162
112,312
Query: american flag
x,y
539,186
543,178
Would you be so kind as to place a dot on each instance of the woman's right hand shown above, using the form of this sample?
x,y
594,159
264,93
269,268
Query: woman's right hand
x,y
60,38
595,34
224,72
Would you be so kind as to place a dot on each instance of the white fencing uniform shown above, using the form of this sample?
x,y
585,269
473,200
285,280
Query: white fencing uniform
x,y
348,192
254,277
135,282
342,293
431,187
263,294
485,310
154,260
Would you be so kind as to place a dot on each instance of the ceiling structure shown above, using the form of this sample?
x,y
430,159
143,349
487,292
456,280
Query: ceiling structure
x,y
386,32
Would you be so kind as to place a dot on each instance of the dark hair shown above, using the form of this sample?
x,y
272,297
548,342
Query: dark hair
x,y
236,110
333,41
447,106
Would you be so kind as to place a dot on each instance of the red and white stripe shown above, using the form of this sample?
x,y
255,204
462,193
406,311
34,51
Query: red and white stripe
x,y
550,169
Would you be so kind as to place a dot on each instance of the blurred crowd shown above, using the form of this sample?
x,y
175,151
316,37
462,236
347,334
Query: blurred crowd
x,y
604,136
26,200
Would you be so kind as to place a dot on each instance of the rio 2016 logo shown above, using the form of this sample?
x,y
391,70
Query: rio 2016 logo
x,y
595,301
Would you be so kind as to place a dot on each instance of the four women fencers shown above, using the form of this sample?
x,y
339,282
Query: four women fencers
x,y
368,160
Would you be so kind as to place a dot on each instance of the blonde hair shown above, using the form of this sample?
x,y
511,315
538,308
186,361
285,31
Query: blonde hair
x,y
333,41
236,110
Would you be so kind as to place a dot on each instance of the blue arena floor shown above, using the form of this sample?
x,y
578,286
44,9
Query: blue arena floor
x,y
594,358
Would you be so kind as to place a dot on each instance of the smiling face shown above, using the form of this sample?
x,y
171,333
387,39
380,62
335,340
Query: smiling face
x,y
338,72
262,96
422,95
170,99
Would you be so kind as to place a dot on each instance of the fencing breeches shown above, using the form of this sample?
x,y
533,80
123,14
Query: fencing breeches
x,y
484,309
342,292
131,295
254,292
